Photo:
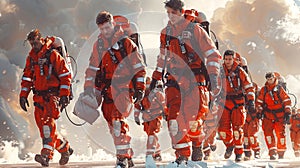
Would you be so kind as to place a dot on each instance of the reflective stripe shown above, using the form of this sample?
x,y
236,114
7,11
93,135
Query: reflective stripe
x,y
159,69
206,149
150,150
248,86
239,146
94,68
25,89
122,147
281,149
26,79
260,101
62,145
64,74
252,94
247,150
209,52
288,107
182,145
89,79
286,100
138,65
273,148
47,147
140,79
256,148
64,86
215,64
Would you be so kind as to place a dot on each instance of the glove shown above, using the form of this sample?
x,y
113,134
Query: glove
x,y
152,84
89,91
138,96
23,102
251,106
173,127
63,102
137,120
214,83
259,116
287,117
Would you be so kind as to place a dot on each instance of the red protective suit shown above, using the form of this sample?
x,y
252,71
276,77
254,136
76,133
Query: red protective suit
x,y
234,113
295,132
152,108
47,88
117,74
186,93
274,102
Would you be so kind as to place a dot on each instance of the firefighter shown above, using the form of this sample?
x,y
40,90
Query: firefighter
x,y
152,108
183,49
274,105
233,117
251,127
119,69
47,75
295,131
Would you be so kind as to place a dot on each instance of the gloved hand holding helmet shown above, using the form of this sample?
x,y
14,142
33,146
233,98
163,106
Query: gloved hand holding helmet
x,y
138,95
23,103
63,102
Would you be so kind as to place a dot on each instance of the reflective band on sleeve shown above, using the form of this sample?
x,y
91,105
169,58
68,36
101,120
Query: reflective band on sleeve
x,y
48,147
248,86
94,68
26,79
62,145
138,65
64,86
239,146
25,89
159,69
215,64
259,101
252,94
273,148
122,147
89,79
209,52
206,149
140,79
180,146
64,74
286,100
150,150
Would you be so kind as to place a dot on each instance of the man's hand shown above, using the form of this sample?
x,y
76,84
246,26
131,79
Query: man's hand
x,y
152,84
251,106
23,103
63,102
138,96
89,91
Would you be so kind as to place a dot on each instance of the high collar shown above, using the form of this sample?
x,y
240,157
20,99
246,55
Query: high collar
x,y
271,86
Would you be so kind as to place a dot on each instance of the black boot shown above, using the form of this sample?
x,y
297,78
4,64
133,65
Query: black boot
x,y
247,155
42,159
228,152
257,154
273,154
64,159
157,157
213,147
181,159
207,155
238,157
122,162
297,153
197,153
130,162
280,155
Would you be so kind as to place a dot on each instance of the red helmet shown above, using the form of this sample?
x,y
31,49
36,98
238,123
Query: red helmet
x,y
121,21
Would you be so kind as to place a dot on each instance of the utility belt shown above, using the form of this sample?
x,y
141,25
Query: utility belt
x,y
237,96
273,111
53,91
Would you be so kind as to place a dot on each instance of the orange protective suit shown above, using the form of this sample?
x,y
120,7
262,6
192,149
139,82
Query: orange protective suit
x,y
273,102
48,86
152,108
295,132
118,76
251,127
186,93
234,113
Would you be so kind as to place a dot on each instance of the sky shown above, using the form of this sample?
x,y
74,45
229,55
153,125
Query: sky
x,y
266,32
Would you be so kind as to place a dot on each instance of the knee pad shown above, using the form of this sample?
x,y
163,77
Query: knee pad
x,y
269,139
46,131
117,127
252,140
236,135
246,141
